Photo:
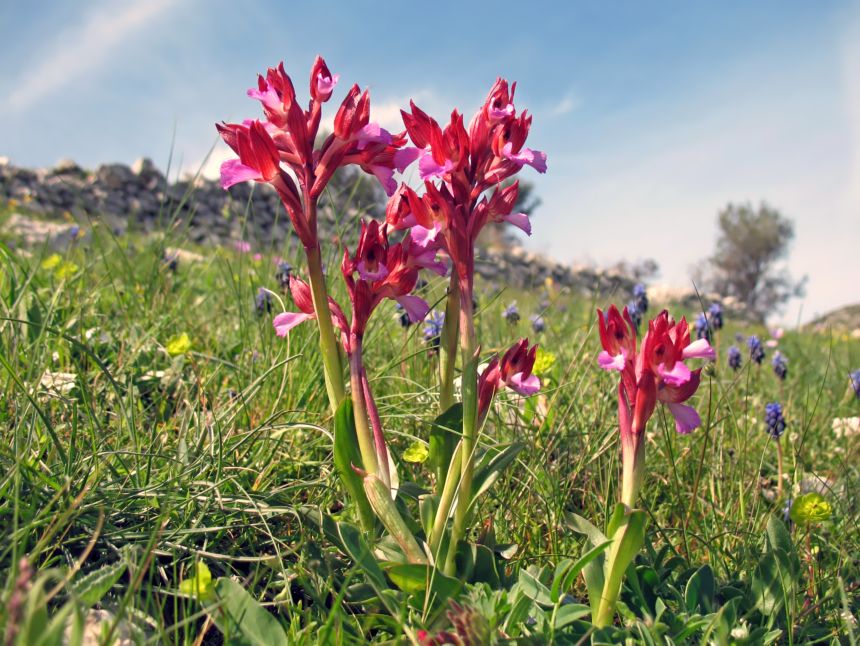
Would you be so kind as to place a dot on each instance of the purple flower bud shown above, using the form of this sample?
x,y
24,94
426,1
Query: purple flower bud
x,y
715,316
780,365
538,324
734,358
263,302
511,314
756,349
855,382
774,420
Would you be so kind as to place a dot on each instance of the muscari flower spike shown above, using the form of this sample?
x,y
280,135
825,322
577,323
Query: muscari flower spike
x,y
735,358
855,382
263,302
433,328
282,275
756,349
635,314
640,298
715,316
538,324
774,420
703,330
780,365
511,314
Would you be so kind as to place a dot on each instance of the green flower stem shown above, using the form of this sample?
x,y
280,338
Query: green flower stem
x,y
359,407
448,347
328,342
446,499
632,467
469,385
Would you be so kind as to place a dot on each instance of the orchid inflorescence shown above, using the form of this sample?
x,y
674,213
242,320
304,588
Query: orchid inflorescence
x,y
462,170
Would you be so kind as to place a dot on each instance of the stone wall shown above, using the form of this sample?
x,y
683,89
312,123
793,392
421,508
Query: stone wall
x,y
140,198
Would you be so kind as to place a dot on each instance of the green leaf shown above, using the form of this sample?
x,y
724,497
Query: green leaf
x,y
347,455
414,578
532,587
489,470
416,453
242,619
200,586
444,434
92,587
593,571
701,590
427,506
569,613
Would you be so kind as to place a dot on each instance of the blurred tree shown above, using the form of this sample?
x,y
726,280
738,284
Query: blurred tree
x,y
745,265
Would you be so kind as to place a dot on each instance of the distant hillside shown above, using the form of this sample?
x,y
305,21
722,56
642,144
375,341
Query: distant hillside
x,y
844,319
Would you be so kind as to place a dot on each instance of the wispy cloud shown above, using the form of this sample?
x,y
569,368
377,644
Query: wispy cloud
x,y
82,48
568,103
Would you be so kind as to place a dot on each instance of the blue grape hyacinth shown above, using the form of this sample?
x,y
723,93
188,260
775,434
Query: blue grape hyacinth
x,y
511,313
855,382
735,357
774,419
640,297
538,324
263,302
715,316
756,349
703,330
780,365
433,329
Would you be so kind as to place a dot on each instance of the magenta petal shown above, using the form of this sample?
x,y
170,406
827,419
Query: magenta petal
x,y
405,156
686,417
425,237
268,97
372,133
428,168
380,273
414,306
326,85
677,376
234,171
497,114
699,349
534,158
385,176
528,386
608,362
519,220
286,321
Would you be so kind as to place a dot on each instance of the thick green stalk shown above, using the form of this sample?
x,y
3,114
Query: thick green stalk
x,y
632,467
359,407
328,341
379,495
469,385
448,347
446,499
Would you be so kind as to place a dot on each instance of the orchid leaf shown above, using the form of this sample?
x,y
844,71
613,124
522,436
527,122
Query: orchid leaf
x,y
346,456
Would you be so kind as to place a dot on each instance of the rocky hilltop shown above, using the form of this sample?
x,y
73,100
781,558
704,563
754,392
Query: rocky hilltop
x,y
140,198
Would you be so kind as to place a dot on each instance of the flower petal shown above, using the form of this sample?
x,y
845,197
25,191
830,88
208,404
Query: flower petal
x,y
524,386
415,306
286,321
233,171
699,349
428,168
686,418
679,374
519,220
609,362
405,156
380,273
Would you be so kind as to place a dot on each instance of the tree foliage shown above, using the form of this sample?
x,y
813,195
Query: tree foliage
x,y
746,264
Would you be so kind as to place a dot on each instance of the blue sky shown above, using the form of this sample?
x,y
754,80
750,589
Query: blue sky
x,y
653,114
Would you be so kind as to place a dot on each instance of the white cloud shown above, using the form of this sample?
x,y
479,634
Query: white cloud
x,y
568,103
82,48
